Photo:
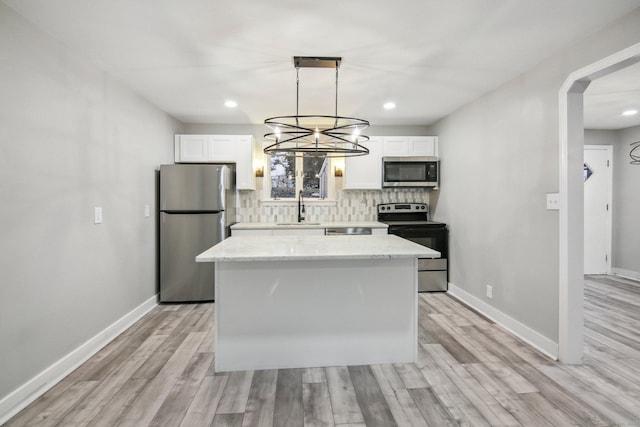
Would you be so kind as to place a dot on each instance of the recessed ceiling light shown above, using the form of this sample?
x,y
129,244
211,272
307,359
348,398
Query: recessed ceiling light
x,y
630,113
230,104
389,105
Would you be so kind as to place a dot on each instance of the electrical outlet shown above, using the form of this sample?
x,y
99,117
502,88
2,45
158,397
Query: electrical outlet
x,y
553,201
489,291
97,215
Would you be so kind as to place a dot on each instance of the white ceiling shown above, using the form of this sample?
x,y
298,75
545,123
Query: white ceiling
x,y
607,97
429,56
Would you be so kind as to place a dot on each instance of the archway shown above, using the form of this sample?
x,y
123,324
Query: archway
x,y
571,263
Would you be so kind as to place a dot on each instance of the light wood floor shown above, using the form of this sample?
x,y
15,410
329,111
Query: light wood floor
x,y
469,372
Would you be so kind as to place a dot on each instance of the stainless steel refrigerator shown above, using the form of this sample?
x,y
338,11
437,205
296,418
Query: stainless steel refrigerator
x,y
197,207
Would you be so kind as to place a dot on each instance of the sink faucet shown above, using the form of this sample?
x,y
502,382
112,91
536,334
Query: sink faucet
x,y
300,207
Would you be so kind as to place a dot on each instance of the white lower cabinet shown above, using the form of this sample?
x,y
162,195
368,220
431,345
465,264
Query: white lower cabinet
x,y
298,232
284,231
239,149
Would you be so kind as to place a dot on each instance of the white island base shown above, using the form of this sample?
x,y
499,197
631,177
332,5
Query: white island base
x,y
297,312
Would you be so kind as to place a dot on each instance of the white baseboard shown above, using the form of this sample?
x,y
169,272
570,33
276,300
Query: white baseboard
x,y
625,273
17,400
537,340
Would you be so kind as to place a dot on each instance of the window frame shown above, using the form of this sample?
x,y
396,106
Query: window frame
x,y
331,184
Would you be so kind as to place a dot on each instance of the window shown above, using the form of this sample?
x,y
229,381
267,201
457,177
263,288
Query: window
x,y
290,175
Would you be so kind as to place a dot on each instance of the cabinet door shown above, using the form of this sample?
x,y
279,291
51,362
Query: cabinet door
x,y
222,148
365,172
396,146
246,151
422,146
191,148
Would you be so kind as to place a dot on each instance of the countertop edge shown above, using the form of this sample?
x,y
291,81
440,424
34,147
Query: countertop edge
x,y
283,248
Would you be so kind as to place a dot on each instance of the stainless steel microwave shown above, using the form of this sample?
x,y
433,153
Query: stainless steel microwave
x,y
410,172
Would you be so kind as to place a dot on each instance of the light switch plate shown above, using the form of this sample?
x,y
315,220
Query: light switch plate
x,y
553,201
97,215
147,210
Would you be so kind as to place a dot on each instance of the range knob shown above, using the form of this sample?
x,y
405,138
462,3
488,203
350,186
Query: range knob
x,y
423,207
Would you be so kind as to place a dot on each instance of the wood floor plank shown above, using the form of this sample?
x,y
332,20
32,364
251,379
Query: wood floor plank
x,y
289,409
177,402
180,332
547,409
113,410
317,405
513,402
235,393
314,375
431,408
447,392
59,407
609,406
205,403
462,354
410,375
227,420
373,405
482,401
144,409
400,401
571,404
93,403
261,400
344,401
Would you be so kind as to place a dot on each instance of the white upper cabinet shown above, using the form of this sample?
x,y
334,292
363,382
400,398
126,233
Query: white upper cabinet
x,y
191,148
222,148
239,149
365,172
247,154
403,146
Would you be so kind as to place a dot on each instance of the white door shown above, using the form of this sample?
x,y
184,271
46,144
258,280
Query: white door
x,y
597,208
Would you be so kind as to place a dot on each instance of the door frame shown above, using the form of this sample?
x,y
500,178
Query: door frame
x,y
609,224
571,189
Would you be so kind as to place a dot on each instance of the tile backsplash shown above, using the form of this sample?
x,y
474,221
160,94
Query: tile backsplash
x,y
351,205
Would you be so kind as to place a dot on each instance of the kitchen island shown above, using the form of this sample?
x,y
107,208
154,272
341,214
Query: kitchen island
x,y
304,301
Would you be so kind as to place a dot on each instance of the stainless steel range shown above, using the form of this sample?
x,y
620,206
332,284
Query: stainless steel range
x,y
411,221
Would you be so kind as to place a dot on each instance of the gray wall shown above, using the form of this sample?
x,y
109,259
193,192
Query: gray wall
x,y
626,201
626,204
71,138
500,155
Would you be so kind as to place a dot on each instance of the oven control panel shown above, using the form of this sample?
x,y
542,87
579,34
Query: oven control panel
x,y
402,207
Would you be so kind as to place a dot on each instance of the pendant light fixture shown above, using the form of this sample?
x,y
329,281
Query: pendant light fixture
x,y
316,135
635,153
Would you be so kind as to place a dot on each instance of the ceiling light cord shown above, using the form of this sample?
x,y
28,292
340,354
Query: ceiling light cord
x,y
335,123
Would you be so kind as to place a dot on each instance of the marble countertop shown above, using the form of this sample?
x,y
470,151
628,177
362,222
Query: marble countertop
x,y
309,224
279,248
